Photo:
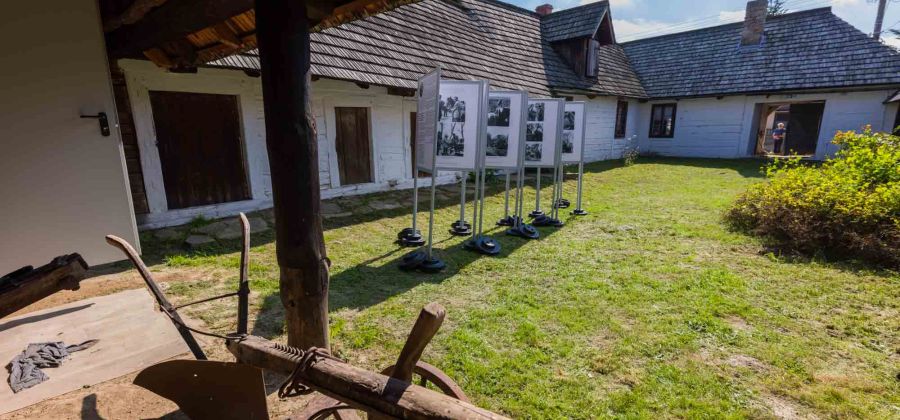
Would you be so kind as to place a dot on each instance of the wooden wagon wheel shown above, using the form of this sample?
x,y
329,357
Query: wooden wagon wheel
x,y
426,326
323,406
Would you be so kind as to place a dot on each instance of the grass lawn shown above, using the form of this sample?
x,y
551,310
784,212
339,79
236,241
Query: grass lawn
x,y
648,307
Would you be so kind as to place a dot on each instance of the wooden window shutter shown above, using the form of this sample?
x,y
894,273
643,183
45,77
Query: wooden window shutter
x,y
591,61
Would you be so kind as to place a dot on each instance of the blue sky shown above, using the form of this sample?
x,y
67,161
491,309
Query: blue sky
x,y
635,19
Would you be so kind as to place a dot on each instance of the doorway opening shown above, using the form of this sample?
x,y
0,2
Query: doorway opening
x,y
200,148
353,145
789,129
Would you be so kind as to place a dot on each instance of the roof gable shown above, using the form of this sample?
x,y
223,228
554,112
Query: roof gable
x,y
811,49
577,22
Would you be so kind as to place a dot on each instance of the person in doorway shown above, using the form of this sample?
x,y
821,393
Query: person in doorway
x,y
778,138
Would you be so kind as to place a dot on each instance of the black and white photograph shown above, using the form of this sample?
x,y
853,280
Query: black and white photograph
x,y
568,141
497,144
451,140
534,131
498,112
533,152
453,109
569,120
536,112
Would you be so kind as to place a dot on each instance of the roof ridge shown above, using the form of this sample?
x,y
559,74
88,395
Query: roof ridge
x,y
582,6
510,6
768,19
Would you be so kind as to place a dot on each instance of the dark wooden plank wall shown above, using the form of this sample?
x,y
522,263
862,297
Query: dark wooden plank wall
x,y
129,141
353,145
200,148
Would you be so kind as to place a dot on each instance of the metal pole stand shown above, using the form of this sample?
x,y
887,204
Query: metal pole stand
x,y
521,229
411,236
578,210
507,220
562,203
461,227
537,197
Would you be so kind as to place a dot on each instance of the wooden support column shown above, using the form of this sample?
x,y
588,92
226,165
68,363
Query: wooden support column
x,y
283,36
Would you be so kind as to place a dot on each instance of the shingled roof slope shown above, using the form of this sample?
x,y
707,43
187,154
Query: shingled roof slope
x,y
577,22
469,39
812,49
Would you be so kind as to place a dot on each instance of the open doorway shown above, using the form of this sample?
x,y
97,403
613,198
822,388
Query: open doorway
x,y
789,129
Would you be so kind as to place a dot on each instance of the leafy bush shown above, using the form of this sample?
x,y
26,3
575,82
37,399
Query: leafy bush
x,y
848,207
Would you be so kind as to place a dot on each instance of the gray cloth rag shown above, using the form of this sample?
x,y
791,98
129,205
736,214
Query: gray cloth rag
x,y
25,369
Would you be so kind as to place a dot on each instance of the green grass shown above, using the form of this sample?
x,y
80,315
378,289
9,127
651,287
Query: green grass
x,y
648,307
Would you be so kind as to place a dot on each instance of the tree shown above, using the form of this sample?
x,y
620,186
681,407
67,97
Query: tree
x,y
776,8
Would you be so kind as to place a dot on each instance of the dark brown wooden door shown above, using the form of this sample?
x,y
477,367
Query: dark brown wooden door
x,y
354,151
803,128
199,140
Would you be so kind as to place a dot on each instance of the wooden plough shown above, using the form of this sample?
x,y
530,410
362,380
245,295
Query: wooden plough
x,y
28,284
343,387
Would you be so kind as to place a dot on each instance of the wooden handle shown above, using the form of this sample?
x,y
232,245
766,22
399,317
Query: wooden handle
x,y
430,319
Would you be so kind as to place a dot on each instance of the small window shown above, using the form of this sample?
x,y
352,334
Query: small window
x,y
662,120
621,119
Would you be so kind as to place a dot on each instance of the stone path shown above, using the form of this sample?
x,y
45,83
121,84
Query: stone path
x,y
204,233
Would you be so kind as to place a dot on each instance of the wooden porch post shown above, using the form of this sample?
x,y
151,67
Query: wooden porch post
x,y
283,36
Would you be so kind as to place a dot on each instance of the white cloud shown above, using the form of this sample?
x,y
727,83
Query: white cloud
x,y
727,16
628,29
891,40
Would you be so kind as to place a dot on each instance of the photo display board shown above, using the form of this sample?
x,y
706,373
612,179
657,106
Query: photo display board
x,y
505,129
542,132
459,124
572,142
426,119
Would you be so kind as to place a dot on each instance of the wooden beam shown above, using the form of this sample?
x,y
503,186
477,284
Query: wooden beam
x,y
171,21
284,48
226,35
134,13
371,392
159,57
29,285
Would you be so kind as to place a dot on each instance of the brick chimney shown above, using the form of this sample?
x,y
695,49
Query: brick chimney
x,y
754,22
544,9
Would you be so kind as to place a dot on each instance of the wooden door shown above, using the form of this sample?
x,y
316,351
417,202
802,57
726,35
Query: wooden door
x,y
803,128
199,140
353,145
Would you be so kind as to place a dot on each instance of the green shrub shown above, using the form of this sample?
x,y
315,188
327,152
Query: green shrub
x,y
847,207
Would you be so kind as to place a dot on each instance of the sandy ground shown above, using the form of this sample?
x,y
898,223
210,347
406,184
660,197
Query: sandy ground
x,y
119,398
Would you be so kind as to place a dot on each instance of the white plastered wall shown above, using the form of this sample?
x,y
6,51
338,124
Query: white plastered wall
x,y
599,138
724,128
390,131
64,185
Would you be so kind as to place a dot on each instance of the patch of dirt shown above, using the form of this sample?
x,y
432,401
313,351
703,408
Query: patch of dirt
x,y
744,361
785,409
738,324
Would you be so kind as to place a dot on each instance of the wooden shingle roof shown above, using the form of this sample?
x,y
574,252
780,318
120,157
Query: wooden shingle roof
x,y
812,49
469,39
577,22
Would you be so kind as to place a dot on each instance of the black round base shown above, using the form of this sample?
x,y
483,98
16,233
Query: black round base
x,y
579,212
541,220
535,213
412,240
406,232
562,203
484,245
508,221
555,222
413,260
432,265
524,231
460,228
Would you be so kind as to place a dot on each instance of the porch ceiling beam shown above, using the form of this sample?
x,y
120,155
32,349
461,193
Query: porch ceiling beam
x,y
171,21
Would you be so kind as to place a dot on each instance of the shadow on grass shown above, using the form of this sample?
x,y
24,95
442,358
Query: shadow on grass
x,y
380,278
